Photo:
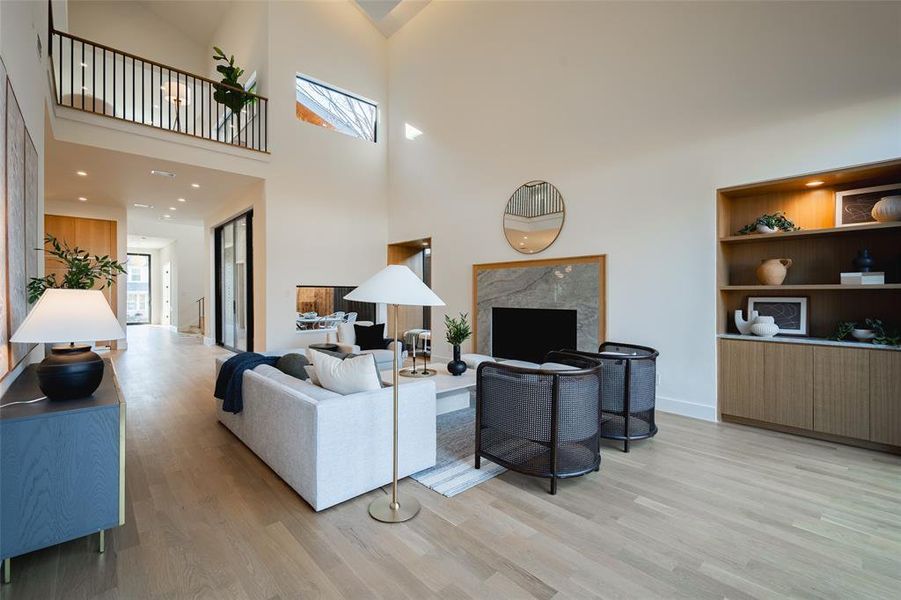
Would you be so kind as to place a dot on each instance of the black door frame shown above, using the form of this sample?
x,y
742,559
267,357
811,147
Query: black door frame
x,y
149,289
217,294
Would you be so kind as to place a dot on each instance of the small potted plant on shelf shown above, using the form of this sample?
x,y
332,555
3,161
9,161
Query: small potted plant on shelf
x,y
875,331
458,331
769,224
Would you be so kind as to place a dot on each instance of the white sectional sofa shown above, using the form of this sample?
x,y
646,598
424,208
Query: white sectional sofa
x,y
345,338
330,447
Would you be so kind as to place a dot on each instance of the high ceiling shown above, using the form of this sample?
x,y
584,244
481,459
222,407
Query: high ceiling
x,y
390,15
120,179
196,20
146,242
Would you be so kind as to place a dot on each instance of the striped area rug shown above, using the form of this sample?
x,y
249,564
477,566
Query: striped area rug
x,y
453,472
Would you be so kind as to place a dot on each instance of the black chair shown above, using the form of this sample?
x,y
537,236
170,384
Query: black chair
x,y
628,390
540,422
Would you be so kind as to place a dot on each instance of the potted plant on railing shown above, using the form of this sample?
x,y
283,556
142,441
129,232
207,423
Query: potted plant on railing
x,y
458,331
83,270
230,92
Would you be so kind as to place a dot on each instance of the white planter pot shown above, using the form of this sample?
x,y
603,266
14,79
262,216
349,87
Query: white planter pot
x,y
863,335
765,327
765,229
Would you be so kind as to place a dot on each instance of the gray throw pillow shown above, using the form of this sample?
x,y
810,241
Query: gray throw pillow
x,y
293,364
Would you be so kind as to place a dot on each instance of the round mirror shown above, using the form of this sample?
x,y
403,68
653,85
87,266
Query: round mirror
x,y
534,217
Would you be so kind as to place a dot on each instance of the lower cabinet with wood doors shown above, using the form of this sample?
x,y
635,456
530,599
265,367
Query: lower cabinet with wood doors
x,y
848,395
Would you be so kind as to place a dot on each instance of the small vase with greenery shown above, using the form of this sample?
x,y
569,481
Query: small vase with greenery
x,y
880,333
229,91
458,331
83,270
769,224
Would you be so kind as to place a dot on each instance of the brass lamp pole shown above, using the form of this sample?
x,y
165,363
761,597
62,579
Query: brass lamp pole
x,y
395,285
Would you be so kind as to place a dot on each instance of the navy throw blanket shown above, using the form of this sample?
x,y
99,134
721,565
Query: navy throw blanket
x,y
229,384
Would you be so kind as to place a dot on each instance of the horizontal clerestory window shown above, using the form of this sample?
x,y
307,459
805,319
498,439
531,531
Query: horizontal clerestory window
x,y
323,105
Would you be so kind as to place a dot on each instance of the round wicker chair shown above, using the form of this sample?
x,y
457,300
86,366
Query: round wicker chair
x,y
541,422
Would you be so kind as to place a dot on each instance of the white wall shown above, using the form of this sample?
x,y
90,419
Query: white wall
x,y
187,255
22,23
637,112
131,27
108,213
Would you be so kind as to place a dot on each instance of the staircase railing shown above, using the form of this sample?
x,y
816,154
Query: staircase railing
x,y
95,78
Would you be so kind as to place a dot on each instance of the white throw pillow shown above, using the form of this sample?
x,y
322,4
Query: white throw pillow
x,y
347,334
311,373
349,376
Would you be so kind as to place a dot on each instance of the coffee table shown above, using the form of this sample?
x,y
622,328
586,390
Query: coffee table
x,y
452,392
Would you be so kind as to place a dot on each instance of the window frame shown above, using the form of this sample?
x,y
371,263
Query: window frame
x,y
343,92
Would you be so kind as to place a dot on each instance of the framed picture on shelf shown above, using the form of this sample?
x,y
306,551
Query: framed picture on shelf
x,y
853,207
790,313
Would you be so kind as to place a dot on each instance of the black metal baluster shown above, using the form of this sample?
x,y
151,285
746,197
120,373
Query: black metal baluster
x,y
93,78
133,116
169,96
82,75
104,81
71,73
266,130
113,82
59,56
143,99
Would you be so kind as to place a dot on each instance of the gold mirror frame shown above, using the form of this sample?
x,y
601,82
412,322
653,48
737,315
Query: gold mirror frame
x,y
529,203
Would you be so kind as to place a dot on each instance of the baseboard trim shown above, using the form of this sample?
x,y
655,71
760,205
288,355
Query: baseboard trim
x,y
686,409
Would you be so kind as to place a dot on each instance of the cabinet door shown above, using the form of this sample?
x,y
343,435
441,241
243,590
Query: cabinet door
x,y
841,394
788,370
742,379
885,397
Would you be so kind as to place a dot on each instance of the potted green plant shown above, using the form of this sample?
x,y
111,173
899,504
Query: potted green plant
x,y
229,91
769,224
83,270
458,331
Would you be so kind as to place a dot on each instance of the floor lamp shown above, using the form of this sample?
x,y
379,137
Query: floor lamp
x,y
394,285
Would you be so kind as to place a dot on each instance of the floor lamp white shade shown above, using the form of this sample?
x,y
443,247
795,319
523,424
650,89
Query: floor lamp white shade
x,y
395,285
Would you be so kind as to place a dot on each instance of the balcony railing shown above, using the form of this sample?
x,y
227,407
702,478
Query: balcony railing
x,y
101,80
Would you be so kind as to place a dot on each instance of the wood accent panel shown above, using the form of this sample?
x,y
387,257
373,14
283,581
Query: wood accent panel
x,y
97,236
788,372
599,259
320,299
841,391
742,377
808,209
885,397
817,435
409,254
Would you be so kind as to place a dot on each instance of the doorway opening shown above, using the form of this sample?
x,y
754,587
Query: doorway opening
x,y
138,303
234,283
412,320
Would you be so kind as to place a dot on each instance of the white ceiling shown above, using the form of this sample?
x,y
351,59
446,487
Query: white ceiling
x,y
120,179
198,21
390,15
146,242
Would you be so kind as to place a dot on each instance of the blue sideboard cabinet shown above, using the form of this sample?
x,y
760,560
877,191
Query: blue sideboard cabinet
x,y
62,466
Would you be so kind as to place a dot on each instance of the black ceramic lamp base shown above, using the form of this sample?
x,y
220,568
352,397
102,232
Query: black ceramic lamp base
x,y
70,372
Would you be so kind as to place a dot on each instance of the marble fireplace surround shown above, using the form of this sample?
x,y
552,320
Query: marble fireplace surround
x,y
570,283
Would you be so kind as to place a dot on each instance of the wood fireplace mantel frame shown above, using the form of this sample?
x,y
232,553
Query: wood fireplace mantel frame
x,y
599,259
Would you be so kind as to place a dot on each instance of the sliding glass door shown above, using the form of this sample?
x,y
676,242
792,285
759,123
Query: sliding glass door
x,y
137,305
234,284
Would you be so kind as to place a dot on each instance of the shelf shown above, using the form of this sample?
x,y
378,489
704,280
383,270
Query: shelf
x,y
809,287
807,341
774,237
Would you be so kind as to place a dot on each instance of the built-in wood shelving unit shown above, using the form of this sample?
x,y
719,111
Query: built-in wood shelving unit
x,y
813,386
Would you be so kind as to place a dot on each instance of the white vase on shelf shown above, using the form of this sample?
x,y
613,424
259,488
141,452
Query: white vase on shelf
x,y
863,335
765,229
744,327
764,327
887,209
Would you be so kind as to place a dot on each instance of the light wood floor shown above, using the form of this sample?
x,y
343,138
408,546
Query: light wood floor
x,y
702,511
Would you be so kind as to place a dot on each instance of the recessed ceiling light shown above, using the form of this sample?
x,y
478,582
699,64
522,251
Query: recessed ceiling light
x,y
411,132
172,208
814,183
81,173
82,199
139,205
159,173
195,185
181,199
167,216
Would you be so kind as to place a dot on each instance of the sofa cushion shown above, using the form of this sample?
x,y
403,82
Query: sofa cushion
x,y
349,376
311,374
293,364
346,334
552,366
370,337
520,363
306,389
474,360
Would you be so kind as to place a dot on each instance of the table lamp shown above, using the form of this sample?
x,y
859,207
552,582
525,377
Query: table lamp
x,y
72,370
395,285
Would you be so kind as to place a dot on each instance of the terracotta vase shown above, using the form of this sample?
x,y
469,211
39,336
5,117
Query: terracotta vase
x,y
772,271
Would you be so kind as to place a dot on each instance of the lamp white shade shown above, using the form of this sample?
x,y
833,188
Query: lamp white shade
x,y
395,284
69,316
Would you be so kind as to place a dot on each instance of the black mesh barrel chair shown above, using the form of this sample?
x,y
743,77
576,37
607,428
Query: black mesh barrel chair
x,y
628,391
540,422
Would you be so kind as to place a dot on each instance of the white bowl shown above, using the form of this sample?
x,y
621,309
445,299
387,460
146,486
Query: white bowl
x,y
863,335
